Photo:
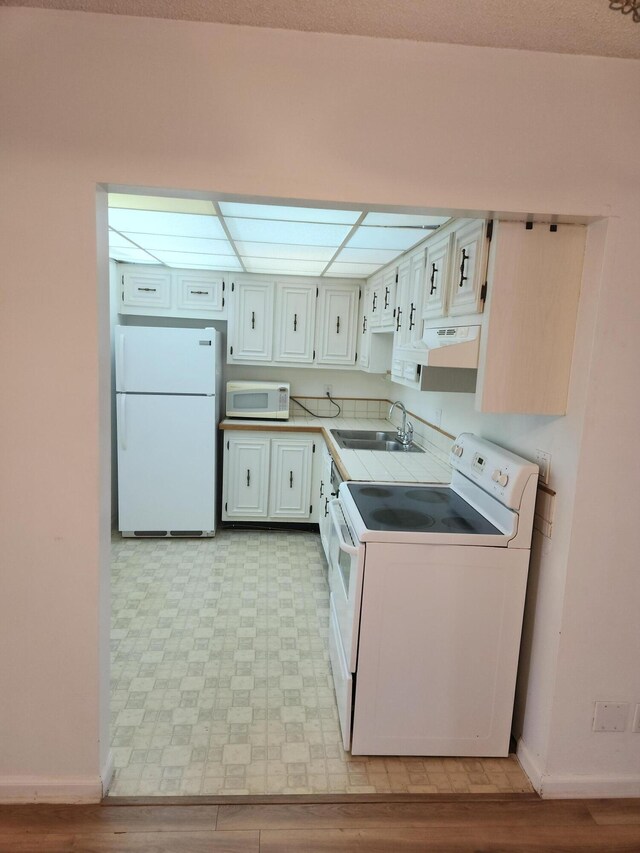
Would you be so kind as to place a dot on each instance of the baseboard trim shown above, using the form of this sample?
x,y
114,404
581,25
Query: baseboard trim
x,y
529,763
107,773
50,789
579,786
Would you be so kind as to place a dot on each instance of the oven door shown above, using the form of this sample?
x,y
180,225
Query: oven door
x,y
346,572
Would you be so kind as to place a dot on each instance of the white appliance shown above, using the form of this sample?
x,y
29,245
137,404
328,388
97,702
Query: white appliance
x,y
268,400
167,398
427,597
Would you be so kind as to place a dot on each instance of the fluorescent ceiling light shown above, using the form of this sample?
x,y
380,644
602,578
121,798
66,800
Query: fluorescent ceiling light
x,y
291,214
385,238
274,266
285,251
273,231
407,219
178,259
357,270
133,255
367,256
169,205
200,245
119,240
169,224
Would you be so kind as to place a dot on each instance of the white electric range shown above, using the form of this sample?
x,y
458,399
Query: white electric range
x,y
427,588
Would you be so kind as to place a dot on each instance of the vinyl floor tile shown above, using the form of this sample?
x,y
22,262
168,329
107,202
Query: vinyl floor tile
x,y
221,681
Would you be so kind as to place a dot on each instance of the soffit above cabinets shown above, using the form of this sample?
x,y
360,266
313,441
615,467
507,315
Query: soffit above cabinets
x,y
260,238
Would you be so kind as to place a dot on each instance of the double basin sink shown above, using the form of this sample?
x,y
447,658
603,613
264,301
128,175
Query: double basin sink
x,y
364,439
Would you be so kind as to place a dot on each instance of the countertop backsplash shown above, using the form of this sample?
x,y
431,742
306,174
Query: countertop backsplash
x,y
433,439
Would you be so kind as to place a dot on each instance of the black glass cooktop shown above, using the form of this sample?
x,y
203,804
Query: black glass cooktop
x,y
423,509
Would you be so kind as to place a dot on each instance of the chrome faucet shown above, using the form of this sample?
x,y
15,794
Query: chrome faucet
x,y
405,430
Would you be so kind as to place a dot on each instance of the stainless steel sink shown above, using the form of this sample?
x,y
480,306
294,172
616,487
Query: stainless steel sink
x,y
353,439
364,434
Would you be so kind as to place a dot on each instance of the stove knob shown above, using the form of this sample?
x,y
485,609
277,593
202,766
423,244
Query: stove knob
x,y
457,450
500,478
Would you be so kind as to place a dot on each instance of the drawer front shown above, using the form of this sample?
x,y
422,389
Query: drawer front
x,y
342,679
200,293
146,290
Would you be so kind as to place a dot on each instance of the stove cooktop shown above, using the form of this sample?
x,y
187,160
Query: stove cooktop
x,y
420,509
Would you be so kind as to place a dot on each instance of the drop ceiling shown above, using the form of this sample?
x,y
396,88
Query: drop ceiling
x,y
260,238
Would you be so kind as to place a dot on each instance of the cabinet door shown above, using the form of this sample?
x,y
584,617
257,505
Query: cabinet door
x,y
373,304
403,311
437,269
246,476
364,335
336,323
251,330
388,299
200,292
295,322
146,289
415,292
290,478
469,267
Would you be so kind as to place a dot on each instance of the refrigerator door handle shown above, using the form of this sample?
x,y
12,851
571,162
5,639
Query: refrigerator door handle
x,y
120,361
122,420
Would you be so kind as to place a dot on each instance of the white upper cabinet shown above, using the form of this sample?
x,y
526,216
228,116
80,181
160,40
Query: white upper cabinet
x,y
295,322
437,267
198,292
469,269
301,321
145,288
162,292
251,333
336,320
414,296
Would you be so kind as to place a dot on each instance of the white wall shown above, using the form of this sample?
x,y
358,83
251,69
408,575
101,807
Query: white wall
x,y
87,99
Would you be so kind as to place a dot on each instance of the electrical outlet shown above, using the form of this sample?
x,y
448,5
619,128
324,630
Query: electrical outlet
x,y
636,719
328,390
544,464
610,716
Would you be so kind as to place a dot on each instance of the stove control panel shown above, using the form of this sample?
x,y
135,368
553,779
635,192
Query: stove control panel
x,y
496,470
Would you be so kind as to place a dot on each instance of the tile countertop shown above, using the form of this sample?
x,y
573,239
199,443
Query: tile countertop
x,y
379,465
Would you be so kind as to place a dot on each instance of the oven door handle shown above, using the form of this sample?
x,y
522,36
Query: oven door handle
x,y
335,520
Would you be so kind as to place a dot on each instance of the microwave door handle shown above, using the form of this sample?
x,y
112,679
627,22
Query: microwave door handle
x,y
333,513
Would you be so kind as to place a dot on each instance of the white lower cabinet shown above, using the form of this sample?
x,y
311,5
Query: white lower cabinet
x,y
246,476
268,477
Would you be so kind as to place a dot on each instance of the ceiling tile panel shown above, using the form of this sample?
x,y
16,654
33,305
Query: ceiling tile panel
x,y
276,231
291,214
386,238
169,224
285,250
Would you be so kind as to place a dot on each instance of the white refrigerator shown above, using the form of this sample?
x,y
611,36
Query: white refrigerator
x,y
167,399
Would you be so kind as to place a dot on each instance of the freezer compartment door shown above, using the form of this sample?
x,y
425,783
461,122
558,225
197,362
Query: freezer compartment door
x,y
165,361
166,463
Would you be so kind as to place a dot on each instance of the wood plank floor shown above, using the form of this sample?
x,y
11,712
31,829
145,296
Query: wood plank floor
x,y
446,825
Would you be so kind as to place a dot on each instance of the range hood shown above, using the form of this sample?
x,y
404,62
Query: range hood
x,y
449,346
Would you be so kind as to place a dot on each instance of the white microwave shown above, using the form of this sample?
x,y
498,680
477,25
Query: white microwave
x,y
269,400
